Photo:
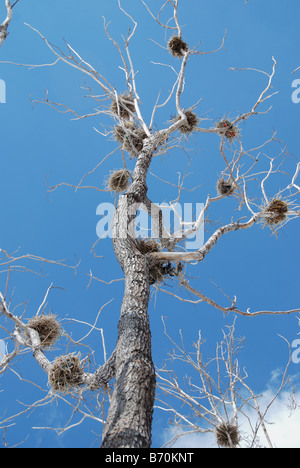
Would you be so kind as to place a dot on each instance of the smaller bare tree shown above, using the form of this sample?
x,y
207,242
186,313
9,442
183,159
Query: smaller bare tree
x,y
217,398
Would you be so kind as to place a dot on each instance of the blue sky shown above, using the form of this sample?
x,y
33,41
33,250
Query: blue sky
x,y
38,143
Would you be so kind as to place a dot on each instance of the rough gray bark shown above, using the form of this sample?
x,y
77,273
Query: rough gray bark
x,y
129,417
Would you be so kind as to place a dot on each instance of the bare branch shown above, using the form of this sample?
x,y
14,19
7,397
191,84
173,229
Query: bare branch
x,y
217,400
6,22
232,307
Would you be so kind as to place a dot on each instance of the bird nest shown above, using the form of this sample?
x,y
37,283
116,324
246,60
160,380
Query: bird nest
x,y
275,212
158,270
228,129
146,246
227,435
131,136
225,187
47,327
119,180
120,131
190,124
177,47
65,373
123,106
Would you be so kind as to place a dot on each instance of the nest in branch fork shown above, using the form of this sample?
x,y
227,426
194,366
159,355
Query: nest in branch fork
x,y
276,212
158,270
191,123
146,246
131,136
227,435
225,187
177,46
47,327
120,131
119,180
133,144
227,129
123,106
65,373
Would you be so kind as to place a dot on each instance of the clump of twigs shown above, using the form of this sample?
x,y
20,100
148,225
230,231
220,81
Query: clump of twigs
x,y
158,270
131,136
225,187
228,129
146,246
227,435
190,124
177,46
133,144
47,327
123,105
275,212
119,180
65,373
120,131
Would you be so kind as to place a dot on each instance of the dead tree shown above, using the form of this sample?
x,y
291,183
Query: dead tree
x,y
4,26
146,263
217,400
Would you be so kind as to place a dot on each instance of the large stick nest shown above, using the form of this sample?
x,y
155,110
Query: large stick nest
x,y
276,212
131,136
47,327
119,180
227,435
158,270
146,246
225,187
177,47
65,373
191,123
228,129
123,105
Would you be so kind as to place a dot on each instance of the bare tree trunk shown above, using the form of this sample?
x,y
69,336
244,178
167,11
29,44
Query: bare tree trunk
x,y
129,417
130,414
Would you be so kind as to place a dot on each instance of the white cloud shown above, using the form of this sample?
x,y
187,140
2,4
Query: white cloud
x,y
283,424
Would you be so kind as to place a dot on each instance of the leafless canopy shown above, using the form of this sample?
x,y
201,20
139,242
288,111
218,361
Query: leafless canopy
x,y
245,177
217,398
